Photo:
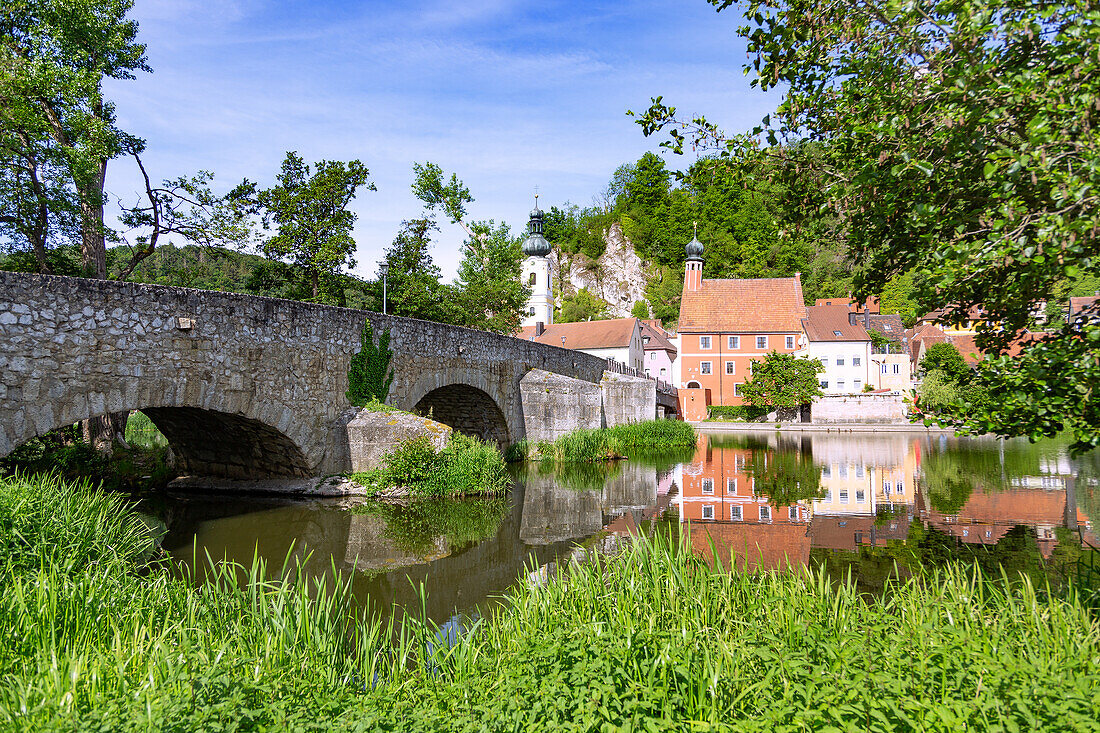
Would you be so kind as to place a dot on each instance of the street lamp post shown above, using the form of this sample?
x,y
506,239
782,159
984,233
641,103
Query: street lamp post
x,y
383,268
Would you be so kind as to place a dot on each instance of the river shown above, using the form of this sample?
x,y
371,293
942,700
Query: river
x,y
873,505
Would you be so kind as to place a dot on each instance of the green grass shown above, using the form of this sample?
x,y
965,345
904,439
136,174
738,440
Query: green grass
x,y
95,637
142,433
606,444
464,467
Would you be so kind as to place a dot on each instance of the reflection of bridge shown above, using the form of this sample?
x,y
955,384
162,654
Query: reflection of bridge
x,y
251,387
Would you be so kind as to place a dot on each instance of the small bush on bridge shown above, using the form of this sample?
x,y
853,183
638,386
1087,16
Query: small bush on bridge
x,y
464,467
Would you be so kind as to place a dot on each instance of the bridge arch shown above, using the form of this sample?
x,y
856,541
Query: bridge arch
x,y
468,410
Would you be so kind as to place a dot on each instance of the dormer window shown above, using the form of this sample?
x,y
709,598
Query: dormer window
x,y
837,333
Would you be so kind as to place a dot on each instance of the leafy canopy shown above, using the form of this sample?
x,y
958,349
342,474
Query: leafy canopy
x,y
782,380
955,141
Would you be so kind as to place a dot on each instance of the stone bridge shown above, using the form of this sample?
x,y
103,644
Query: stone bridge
x,y
251,387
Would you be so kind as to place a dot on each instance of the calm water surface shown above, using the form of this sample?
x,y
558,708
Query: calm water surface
x,y
874,505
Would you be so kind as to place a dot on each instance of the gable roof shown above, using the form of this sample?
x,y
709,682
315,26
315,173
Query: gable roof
x,y
830,323
1078,304
614,333
764,305
657,339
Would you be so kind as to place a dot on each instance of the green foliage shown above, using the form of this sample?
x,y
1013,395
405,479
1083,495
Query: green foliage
x,y
736,413
416,526
466,466
369,372
929,130
581,306
141,432
94,639
490,295
582,446
640,309
782,380
413,279
945,357
308,208
898,297
785,477
578,231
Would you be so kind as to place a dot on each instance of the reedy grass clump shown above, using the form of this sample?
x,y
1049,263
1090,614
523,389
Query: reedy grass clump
x,y
653,639
615,442
464,467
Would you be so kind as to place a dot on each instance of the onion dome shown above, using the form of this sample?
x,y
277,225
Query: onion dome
x,y
536,244
694,249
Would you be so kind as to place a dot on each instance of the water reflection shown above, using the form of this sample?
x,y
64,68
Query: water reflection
x,y
768,500
865,504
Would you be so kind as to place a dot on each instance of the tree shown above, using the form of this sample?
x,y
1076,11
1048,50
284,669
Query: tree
x,y
782,380
581,306
897,297
413,280
308,209
945,358
490,293
955,141
640,309
57,131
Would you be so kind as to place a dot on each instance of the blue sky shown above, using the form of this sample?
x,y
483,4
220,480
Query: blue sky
x,y
506,94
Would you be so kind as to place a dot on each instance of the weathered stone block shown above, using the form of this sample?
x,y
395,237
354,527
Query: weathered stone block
x,y
373,433
554,405
627,399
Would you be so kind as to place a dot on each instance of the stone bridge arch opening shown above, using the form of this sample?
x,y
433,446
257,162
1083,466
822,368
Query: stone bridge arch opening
x,y
211,443
468,410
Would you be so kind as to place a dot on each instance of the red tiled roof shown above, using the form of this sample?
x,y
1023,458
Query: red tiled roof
x,y
610,334
657,339
1076,305
765,305
830,323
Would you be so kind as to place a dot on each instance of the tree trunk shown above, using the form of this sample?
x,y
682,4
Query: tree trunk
x,y
93,248
104,431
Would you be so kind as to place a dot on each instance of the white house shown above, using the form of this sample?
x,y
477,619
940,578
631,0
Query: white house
x,y
618,338
844,349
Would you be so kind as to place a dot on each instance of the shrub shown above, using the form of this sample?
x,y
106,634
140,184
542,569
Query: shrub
x,y
464,466
737,413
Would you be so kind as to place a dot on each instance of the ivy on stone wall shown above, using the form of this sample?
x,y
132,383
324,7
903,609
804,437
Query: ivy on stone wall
x,y
369,374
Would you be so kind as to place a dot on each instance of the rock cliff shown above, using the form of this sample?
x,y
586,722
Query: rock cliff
x,y
618,276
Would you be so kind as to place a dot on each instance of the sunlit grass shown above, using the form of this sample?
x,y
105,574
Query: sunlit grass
x,y
96,635
606,444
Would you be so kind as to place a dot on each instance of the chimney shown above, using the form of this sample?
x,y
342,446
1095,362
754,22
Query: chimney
x,y
539,328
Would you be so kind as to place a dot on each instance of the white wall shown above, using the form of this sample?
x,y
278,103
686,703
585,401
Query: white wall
x,y
655,361
846,378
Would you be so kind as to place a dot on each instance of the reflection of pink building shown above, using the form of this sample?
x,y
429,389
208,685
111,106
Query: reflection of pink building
x,y
719,498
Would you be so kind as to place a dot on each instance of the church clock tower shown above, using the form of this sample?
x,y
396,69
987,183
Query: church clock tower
x,y
536,273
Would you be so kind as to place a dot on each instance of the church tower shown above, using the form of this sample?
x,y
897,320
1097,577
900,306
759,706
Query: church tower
x,y
536,273
693,268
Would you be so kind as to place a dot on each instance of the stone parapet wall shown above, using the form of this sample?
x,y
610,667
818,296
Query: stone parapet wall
x,y
862,408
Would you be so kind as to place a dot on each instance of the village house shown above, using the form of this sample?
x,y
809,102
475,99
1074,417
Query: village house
x,y
843,347
660,352
726,324
617,338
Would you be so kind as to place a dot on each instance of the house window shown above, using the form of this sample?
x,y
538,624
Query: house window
x,y
897,369
765,513
704,342
792,513
840,384
761,342
663,370
735,513
899,487
790,342
844,470
886,488
859,470
731,485
856,384
708,511
844,496
739,461
652,355
531,279
825,362
860,497
883,368
840,362
837,334
855,361
826,471
708,486
730,368
704,367
737,390
734,342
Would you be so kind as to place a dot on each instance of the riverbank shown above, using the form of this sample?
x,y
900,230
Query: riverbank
x,y
96,634
798,427
607,444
